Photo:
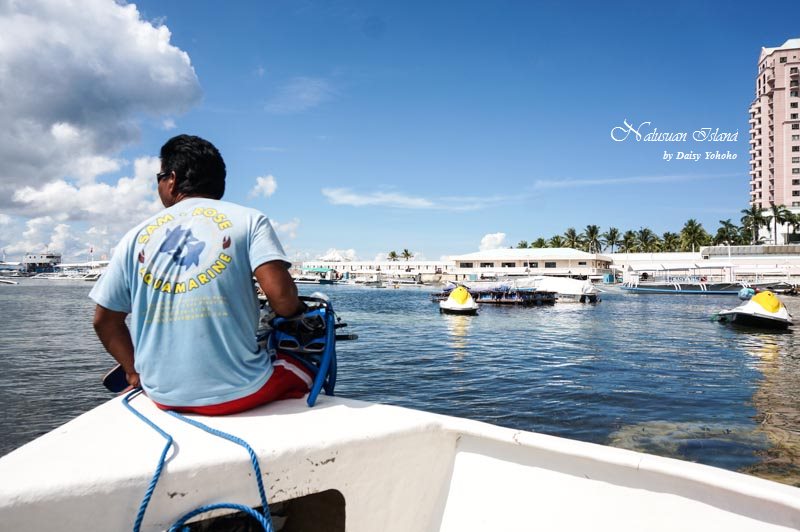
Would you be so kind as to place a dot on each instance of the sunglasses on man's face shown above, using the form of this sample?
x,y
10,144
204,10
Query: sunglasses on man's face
x,y
162,175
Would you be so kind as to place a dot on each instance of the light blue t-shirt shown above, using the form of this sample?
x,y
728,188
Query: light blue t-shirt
x,y
185,276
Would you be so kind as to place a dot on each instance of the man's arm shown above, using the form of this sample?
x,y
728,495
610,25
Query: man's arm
x,y
116,338
279,287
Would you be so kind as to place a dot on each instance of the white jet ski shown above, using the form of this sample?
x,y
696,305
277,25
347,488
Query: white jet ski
x,y
764,309
459,302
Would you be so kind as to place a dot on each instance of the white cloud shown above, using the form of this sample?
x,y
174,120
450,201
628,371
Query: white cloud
x,y
74,83
265,186
5,219
300,94
112,209
572,183
168,124
288,229
343,196
493,241
340,255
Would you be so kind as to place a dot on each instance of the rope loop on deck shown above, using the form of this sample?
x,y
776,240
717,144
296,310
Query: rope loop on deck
x,y
263,519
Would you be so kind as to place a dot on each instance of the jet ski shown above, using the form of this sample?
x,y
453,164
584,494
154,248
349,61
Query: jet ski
x,y
763,309
459,302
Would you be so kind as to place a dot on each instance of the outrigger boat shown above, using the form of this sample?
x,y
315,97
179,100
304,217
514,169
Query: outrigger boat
x,y
360,467
764,309
459,302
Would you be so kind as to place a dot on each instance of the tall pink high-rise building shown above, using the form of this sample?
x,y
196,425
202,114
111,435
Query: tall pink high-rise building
x,y
775,128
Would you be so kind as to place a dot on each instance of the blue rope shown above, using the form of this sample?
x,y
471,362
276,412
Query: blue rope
x,y
153,481
238,441
265,523
263,519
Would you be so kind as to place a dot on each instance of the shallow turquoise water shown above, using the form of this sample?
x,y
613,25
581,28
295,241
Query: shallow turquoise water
x,y
647,372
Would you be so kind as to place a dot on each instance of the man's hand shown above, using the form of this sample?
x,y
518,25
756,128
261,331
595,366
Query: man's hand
x,y
133,379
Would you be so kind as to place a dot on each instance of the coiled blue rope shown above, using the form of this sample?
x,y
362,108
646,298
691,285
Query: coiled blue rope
x,y
263,518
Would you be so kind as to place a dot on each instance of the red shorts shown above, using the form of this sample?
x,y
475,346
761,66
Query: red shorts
x,y
289,380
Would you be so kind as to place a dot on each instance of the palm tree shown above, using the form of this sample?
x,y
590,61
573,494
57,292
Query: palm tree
x,y
670,241
407,254
539,243
611,238
646,239
693,235
628,242
591,238
393,256
727,233
522,244
571,238
794,223
752,221
557,242
779,215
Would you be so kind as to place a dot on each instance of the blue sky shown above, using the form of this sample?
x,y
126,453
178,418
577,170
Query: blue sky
x,y
367,127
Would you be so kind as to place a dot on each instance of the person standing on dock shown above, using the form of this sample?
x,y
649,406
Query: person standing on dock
x,y
185,276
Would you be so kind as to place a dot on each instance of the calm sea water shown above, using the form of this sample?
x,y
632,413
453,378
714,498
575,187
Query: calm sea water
x,y
644,372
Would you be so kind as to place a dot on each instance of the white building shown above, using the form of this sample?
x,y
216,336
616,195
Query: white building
x,y
562,262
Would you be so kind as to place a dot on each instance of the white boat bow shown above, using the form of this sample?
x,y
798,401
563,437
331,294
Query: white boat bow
x,y
396,470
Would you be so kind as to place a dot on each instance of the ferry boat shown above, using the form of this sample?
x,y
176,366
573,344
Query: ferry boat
x,y
681,281
361,467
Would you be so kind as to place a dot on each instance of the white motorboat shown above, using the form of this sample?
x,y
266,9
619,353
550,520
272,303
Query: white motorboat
x,y
365,467
458,302
764,309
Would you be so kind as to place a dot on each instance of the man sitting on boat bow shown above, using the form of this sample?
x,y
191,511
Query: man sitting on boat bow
x,y
185,277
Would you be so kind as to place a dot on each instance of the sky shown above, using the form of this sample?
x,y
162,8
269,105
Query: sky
x,y
361,128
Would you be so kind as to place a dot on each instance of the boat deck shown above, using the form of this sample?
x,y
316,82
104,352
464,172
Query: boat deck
x,y
392,469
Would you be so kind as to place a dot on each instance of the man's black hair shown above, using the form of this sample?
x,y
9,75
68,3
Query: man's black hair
x,y
198,166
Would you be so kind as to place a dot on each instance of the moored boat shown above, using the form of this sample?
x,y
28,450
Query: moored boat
x,y
459,302
763,310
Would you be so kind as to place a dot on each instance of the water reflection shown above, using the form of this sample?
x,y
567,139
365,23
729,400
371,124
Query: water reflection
x,y
458,333
775,400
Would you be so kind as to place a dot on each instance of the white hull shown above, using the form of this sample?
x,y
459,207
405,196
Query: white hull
x,y
397,469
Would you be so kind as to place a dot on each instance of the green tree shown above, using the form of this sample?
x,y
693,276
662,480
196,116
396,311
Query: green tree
x,y
793,222
778,215
522,244
393,256
557,242
407,254
693,235
571,238
628,242
611,238
539,243
727,233
752,220
670,241
591,238
646,240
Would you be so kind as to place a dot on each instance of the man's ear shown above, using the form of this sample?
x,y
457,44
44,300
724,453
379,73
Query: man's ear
x,y
172,186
